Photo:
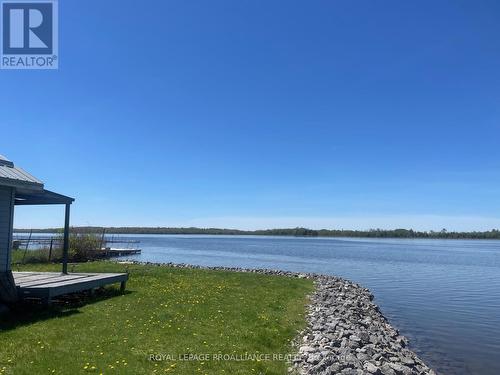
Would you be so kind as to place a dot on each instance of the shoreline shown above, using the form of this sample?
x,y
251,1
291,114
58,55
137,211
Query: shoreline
x,y
409,234
346,333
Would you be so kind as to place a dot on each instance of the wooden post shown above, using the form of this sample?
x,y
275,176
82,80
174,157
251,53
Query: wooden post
x,y
102,238
50,249
27,246
66,240
8,290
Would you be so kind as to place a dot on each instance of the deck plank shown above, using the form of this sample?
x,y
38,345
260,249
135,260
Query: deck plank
x,y
46,285
23,275
83,280
49,280
29,278
64,280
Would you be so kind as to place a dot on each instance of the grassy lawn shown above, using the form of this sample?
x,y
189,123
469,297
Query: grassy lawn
x,y
34,256
166,311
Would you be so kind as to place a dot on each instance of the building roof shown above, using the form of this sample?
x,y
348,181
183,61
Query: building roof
x,y
41,197
29,190
13,176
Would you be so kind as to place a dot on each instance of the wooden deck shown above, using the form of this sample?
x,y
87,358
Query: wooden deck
x,y
46,285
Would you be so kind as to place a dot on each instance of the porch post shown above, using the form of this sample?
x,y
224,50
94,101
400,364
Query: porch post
x,y
66,240
8,290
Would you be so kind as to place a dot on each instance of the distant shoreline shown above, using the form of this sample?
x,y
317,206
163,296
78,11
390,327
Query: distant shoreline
x,y
494,234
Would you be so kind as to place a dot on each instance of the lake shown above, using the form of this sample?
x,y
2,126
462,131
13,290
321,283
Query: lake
x,y
444,295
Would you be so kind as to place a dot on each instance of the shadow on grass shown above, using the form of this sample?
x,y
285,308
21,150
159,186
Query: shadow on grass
x,y
30,312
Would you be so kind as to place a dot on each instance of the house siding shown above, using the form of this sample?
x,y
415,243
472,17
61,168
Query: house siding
x,y
6,220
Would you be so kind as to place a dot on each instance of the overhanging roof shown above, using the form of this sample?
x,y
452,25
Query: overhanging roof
x,y
41,197
28,189
13,176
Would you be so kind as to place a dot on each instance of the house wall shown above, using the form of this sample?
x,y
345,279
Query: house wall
x,y
6,222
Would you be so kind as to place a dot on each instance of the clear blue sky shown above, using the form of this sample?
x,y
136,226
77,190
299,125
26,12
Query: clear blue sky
x,y
254,114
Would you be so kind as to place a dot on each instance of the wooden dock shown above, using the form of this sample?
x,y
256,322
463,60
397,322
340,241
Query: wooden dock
x,y
47,285
117,252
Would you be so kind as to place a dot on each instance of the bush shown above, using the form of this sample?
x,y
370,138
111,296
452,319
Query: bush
x,y
84,246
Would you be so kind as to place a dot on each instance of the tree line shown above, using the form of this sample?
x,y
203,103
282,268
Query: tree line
x,y
297,232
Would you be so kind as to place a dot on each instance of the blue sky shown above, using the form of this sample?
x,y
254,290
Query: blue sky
x,y
254,114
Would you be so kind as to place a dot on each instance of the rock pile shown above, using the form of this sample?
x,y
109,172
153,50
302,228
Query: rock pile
x,y
347,334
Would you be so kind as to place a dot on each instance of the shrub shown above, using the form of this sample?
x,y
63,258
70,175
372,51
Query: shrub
x,y
83,246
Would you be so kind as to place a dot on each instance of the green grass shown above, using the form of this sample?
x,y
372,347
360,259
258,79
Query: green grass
x,y
164,311
34,256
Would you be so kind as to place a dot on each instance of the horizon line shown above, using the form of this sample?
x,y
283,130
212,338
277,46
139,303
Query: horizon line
x,y
443,230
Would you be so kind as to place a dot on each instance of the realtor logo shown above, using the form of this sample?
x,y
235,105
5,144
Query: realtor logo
x,y
29,34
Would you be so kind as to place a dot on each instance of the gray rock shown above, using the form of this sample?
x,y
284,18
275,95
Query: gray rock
x,y
349,371
333,369
354,338
364,336
307,349
371,368
407,361
363,356
374,339
387,370
313,359
400,369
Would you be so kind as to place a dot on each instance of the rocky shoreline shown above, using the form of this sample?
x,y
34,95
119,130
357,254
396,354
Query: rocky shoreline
x,y
346,332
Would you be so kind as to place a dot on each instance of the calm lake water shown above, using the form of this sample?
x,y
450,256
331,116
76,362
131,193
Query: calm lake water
x,y
444,295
